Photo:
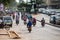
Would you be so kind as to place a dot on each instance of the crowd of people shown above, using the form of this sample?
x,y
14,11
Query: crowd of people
x,y
28,21
31,21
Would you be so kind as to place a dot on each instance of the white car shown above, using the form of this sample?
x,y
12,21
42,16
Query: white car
x,y
32,10
7,21
41,10
50,12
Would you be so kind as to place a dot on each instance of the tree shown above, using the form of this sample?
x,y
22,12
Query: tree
x,y
6,2
28,8
39,1
21,6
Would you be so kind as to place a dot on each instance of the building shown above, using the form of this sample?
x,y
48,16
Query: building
x,y
52,3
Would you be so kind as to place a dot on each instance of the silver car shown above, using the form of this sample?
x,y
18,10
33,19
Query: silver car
x,y
50,12
41,10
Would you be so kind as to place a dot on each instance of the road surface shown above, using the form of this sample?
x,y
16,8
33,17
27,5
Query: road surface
x,y
38,32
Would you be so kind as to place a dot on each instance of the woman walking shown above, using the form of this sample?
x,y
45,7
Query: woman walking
x,y
17,19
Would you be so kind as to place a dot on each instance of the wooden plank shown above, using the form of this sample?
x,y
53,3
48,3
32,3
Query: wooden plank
x,y
13,35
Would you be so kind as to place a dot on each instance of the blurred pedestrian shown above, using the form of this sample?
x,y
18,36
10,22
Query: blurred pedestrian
x,y
24,19
43,22
13,15
17,19
54,20
29,26
18,14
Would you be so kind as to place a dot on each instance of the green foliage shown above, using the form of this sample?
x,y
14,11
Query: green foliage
x,y
28,8
23,4
39,1
26,5
6,2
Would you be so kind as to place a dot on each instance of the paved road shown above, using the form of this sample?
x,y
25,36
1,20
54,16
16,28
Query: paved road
x,y
38,32
40,16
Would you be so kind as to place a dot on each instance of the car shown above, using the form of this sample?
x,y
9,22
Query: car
x,y
50,12
51,18
57,16
46,11
40,10
7,21
32,10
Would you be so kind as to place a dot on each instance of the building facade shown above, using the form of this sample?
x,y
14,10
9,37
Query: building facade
x,y
52,3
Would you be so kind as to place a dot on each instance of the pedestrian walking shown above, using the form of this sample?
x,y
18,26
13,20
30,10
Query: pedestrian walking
x,y
34,21
54,20
13,15
29,26
18,14
22,17
17,19
43,22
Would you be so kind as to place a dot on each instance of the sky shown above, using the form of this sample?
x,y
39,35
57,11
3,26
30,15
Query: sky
x,y
17,0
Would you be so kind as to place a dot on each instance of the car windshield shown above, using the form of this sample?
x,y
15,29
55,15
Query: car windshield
x,y
7,18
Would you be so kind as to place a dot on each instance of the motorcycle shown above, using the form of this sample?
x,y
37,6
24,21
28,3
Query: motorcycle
x,y
34,24
29,29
